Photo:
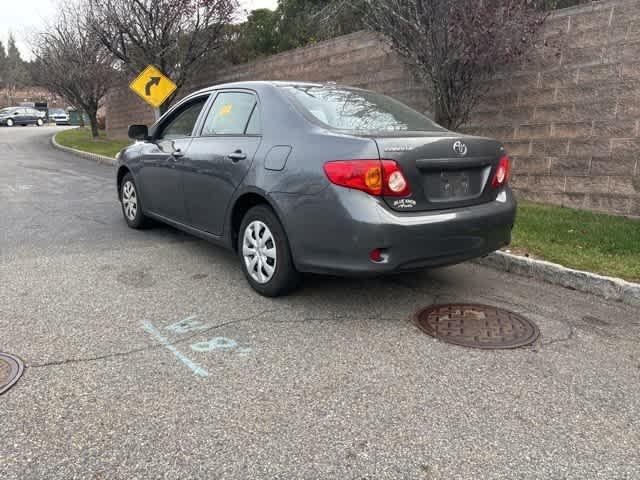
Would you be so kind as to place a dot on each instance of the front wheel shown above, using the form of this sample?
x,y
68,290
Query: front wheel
x,y
39,122
265,253
10,122
131,205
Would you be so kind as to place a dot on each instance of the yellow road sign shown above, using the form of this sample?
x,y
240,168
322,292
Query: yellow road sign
x,y
153,86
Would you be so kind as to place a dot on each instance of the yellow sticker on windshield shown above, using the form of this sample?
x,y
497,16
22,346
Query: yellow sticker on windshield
x,y
226,110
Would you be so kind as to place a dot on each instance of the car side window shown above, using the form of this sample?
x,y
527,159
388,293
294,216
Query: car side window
x,y
254,127
182,122
230,114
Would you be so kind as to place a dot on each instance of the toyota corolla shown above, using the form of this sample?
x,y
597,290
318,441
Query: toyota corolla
x,y
305,177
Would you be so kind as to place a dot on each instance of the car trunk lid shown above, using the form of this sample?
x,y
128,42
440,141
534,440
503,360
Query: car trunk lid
x,y
443,171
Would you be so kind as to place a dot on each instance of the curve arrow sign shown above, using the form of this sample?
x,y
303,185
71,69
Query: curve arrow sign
x,y
153,81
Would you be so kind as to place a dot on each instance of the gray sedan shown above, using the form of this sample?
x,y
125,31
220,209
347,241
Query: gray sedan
x,y
11,116
301,177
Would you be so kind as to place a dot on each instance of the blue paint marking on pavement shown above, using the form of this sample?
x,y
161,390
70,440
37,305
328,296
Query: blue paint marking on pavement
x,y
195,368
221,343
190,324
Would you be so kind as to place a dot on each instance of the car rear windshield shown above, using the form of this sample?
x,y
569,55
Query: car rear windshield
x,y
358,110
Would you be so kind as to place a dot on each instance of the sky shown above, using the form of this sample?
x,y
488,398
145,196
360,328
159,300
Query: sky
x,y
24,17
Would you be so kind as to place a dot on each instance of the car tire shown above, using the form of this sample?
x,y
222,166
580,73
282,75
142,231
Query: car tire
x,y
10,122
262,237
39,122
131,204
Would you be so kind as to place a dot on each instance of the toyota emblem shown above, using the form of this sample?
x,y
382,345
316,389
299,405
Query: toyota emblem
x,y
460,148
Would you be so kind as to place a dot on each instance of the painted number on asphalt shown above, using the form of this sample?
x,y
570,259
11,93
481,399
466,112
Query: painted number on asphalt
x,y
193,324
189,324
220,343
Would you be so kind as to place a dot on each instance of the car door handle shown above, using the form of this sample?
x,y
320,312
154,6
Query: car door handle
x,y
237,156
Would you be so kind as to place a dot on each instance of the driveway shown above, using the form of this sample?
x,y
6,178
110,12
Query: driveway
x,y
148,356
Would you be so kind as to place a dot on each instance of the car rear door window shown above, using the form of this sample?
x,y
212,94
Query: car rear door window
x,y
230,114
255,122
182,122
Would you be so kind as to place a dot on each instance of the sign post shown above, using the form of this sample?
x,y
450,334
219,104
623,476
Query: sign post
x,y
153,87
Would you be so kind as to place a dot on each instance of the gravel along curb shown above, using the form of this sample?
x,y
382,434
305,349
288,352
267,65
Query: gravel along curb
x,y
609,288
79,153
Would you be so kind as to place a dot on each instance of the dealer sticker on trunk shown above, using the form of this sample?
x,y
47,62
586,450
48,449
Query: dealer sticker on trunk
x,y
404,203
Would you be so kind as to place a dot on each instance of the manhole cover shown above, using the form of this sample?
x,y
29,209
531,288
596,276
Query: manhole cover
x,y
478,326
10,370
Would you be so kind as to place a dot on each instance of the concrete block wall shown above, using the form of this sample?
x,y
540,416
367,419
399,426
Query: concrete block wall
x,y
569,115
123,108
361,59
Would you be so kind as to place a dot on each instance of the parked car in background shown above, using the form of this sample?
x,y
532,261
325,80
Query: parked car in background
x,y
59,116
301,177
11,116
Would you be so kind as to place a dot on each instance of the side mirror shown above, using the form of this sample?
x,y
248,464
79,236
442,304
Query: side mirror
x,y
138,132
16,113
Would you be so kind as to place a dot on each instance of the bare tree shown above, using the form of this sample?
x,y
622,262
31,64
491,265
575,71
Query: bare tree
x,y
74,63
174,35
453,45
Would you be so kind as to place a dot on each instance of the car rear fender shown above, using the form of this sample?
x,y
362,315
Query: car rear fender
x,y
303,173
244,199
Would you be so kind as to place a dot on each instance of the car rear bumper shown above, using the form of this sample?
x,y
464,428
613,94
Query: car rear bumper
x,y
335,232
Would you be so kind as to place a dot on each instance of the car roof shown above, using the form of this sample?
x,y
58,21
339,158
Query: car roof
x,y
258,84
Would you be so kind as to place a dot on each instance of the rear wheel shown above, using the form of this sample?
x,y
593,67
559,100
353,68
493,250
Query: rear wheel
x,y
131,205
10,122
265,253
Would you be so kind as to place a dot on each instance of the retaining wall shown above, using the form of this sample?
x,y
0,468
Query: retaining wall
x,y
569,114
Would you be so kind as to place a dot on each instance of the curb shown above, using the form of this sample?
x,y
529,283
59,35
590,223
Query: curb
x,y
610,288
99,159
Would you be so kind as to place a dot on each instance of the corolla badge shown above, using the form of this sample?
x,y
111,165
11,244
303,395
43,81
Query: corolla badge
x,y
460,148
398,148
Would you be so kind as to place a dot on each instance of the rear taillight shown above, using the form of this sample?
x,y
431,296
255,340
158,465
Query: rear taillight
x,y
502,172
394,183
375,177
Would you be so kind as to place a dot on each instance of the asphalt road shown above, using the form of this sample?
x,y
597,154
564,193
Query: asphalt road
x,y
334,382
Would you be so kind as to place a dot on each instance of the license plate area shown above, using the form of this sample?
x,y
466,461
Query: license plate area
x,y
455,185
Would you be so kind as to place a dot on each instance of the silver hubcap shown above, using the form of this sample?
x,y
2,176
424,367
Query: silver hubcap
x,y
129,200
10,123
259,252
